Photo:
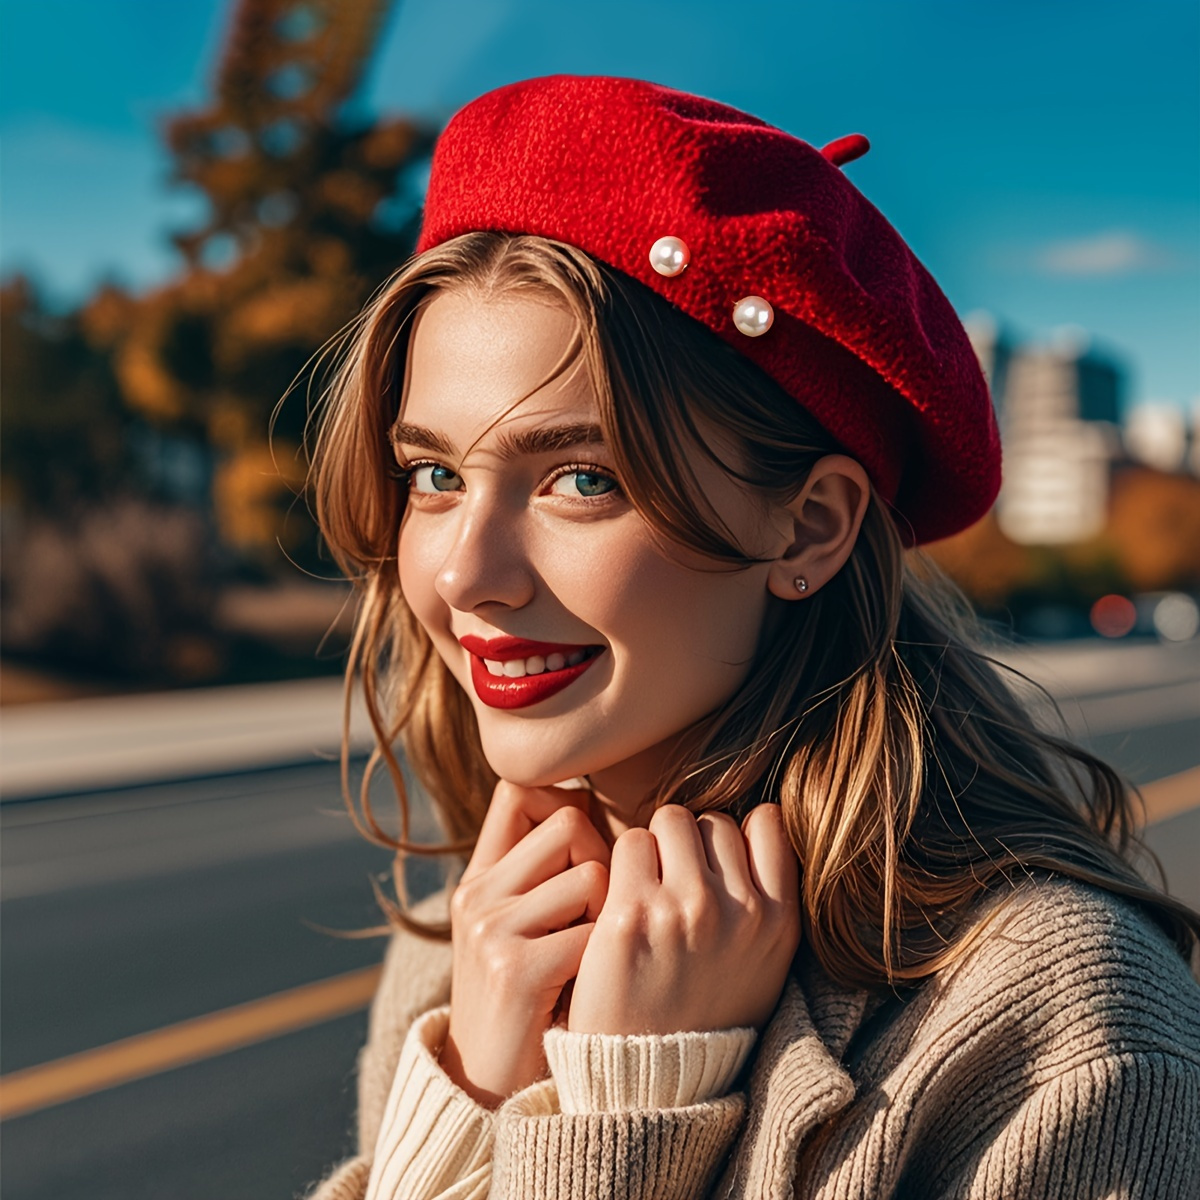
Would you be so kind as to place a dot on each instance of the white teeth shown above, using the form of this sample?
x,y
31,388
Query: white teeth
x,y
535,664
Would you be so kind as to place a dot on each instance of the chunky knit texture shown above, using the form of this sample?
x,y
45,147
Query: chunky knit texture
x,y
863,337
1060,1059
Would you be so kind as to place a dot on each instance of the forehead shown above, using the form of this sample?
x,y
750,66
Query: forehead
x,y
471,358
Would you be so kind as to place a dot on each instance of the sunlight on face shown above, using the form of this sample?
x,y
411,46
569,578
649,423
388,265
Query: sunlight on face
x,y
527,538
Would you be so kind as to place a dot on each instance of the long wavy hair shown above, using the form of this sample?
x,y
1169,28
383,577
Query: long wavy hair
x,y
913,773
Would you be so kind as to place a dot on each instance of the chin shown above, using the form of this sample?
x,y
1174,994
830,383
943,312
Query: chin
x,y
518,765
532,775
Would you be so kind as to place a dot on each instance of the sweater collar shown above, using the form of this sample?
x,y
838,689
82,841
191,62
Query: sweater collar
x,y
798,1081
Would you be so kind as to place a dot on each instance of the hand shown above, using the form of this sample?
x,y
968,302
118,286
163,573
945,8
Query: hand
x,y
519,921
705,947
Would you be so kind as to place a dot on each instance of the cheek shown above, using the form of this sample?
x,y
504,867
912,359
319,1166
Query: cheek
x,y
417,560
676,623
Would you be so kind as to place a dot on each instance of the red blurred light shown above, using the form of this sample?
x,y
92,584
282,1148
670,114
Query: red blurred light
x,y
1113,616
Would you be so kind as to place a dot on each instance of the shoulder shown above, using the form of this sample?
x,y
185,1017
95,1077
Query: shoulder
x,y
1071,973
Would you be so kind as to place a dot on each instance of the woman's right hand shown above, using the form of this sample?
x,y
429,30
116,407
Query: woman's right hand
x,y
519,919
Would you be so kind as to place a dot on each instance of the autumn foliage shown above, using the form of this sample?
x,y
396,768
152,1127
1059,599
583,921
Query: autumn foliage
x,y
1151,542
196,394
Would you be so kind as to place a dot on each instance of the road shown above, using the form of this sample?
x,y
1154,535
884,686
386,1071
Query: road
x,y
134,908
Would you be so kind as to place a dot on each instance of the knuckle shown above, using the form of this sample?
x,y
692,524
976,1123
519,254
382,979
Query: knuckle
x,y
481,928
501,968
628,922
571,819
754,911
462,901
671,813
698,913
765,821
716,819
559,822
594,874
505,795
635,838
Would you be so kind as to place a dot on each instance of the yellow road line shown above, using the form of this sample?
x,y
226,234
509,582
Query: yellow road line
x,y
1170,796
146,1054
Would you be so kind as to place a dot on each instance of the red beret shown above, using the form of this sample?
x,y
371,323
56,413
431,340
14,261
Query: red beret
x,y
853,326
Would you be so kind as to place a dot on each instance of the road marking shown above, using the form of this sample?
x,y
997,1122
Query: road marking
x,y
137,1057
1171,796
177,1045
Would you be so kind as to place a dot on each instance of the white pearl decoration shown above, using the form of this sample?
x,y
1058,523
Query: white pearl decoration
x,y
670,256
753,316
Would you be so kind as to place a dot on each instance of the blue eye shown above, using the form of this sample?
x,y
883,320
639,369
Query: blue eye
x,y
586,484
428,478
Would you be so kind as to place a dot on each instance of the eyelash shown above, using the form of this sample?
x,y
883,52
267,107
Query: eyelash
x,y
402,472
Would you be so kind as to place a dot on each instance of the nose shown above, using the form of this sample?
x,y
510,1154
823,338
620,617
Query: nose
x,y
485,563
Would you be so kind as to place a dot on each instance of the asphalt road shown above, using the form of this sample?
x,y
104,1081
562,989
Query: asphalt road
x,y
129,910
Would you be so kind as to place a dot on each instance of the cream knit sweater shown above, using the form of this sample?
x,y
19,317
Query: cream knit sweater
x,y
1060,1058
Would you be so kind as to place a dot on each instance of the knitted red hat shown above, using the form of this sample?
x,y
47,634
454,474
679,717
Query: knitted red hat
x,y
733,212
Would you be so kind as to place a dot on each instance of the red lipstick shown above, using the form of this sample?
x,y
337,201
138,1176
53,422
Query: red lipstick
x,y
504,691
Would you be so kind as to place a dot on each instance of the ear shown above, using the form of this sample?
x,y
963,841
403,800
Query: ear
x,y
824,520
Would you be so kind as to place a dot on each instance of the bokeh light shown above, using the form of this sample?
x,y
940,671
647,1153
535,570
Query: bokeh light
x,y
1176,618
1113,616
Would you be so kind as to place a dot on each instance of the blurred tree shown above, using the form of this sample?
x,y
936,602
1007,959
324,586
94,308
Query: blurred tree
x,y
310,208
64,423
1150,542
984,563
1154,527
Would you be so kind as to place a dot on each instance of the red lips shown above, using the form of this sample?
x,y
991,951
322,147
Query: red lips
x,y
502,691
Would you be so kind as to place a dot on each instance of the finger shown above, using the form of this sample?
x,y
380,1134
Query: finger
x,y
513,813
576,894
725,850
680,850
773,865
565,839
634,869
556,957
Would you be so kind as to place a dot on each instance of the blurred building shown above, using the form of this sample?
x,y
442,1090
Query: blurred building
x,y
1059,410
1164,437
993,349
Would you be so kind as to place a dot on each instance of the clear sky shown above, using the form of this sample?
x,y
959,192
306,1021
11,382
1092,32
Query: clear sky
x,y
1042,158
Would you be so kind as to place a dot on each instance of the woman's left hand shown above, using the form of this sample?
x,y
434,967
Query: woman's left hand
x,y
698,930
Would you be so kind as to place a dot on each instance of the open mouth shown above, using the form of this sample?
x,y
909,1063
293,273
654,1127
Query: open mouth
x,y
539,664
516,682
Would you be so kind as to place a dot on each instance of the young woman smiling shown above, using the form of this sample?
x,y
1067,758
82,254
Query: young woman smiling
x,y
773,885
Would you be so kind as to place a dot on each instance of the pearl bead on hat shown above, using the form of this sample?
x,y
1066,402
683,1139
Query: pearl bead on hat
x,y
669,256
757,235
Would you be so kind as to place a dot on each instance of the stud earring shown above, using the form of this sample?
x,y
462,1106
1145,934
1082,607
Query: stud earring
x,y
801,583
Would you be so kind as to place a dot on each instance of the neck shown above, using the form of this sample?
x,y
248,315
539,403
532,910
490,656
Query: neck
x,y
621,794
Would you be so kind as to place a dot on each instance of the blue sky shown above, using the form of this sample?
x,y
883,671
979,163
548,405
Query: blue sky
x,y
1043,159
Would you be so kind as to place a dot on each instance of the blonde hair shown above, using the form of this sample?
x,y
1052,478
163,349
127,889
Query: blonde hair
x,y
911,776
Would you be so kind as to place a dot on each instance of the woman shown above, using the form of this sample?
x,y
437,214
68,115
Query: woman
x,y
774,886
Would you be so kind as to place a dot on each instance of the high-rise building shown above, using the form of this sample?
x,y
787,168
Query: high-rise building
x,y
1058,406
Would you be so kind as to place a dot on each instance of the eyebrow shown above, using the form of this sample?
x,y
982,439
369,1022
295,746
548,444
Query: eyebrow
x,y
510,445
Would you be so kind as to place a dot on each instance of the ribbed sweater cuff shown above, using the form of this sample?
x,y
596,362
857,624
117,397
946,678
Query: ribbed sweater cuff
x,y
668,1154
599,1072
433,1136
